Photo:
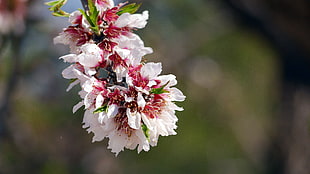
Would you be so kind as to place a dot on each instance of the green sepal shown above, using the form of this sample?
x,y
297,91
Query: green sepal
x,y
160,90
86,16
103,108
52,3
91,21
130,8
91,16
55,8
93,12
91,6
146,131
60,14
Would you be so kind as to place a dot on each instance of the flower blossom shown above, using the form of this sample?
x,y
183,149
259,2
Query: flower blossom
x,y
125,99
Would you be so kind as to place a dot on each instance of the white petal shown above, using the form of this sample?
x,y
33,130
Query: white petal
x,y
69,73
82,93
86,25
91,123
73,16
90,56
133,43
120,73
89,100
112,111
174,107
146,121
132,20
90,71
71,58
144,144
61,39
151,83
117,142
151,70
122,52
102,5
128,99
176,95
77,106
134,119
72,85
167,78
102,117
79,75
88,85
99,101
140,100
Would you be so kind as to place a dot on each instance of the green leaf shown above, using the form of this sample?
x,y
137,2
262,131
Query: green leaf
x,y
91,6
91,16
130,8
60,14
55,8
86,16
92,13
146,131
56,5
83,13
103,108
52,3
160,90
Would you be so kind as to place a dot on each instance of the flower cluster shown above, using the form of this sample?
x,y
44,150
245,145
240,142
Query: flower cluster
x,y
126,99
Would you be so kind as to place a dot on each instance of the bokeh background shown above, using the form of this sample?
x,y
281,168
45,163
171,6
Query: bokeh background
x,y
243,65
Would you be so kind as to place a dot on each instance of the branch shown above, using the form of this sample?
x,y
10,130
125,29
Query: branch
x,y
85,4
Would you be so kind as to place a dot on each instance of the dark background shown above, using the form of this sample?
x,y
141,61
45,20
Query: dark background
x,y
243,65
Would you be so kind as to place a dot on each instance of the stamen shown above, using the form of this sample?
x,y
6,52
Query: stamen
x,y
122,122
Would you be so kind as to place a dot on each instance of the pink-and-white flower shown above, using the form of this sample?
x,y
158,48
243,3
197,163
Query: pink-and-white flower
x,y
125,100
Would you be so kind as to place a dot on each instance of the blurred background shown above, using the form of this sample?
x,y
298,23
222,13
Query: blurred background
x,y
243,65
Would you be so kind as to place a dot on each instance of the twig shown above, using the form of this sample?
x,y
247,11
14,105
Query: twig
x,y
85,4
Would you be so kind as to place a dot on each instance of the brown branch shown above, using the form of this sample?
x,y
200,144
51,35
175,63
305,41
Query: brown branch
x,y
85,4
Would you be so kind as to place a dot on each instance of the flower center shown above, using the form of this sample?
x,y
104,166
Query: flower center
x,y
122,122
